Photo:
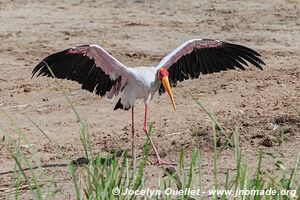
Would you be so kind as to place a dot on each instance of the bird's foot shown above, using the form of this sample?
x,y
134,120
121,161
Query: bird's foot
x,y
160,161
145,130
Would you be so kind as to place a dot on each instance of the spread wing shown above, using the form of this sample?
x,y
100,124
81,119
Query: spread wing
x,y
90,65
204,56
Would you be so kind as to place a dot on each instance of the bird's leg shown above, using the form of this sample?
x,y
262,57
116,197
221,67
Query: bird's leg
x,y
159,160
145,119
132,133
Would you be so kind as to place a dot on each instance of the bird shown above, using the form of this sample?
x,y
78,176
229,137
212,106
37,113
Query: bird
x,y
100,73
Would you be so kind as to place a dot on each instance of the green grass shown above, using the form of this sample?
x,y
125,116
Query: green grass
x,y
102,174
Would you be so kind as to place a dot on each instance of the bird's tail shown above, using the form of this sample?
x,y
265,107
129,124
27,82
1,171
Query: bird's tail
x,y
119,105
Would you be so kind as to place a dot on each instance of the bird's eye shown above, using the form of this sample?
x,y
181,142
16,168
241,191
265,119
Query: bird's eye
x,y
161,75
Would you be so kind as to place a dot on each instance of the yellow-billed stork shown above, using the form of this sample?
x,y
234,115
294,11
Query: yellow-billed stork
x,y
99,72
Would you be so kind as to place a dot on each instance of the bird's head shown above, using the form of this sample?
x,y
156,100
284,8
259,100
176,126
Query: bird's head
x,y
163,76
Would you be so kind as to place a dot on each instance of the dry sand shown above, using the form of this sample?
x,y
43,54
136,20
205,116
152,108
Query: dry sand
x,y
140,33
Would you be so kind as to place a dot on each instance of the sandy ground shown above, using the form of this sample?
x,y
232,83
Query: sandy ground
x,y
140,33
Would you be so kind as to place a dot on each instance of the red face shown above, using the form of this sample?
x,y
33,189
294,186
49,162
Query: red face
x,y
162,73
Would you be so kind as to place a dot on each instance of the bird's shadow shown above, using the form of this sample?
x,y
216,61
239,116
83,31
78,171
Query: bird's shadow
x,y
79,162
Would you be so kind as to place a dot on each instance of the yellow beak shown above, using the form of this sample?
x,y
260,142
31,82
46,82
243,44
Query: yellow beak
x,y
166,83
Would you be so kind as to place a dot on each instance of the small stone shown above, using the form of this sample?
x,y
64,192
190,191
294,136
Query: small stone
x,y
267,142
27,89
